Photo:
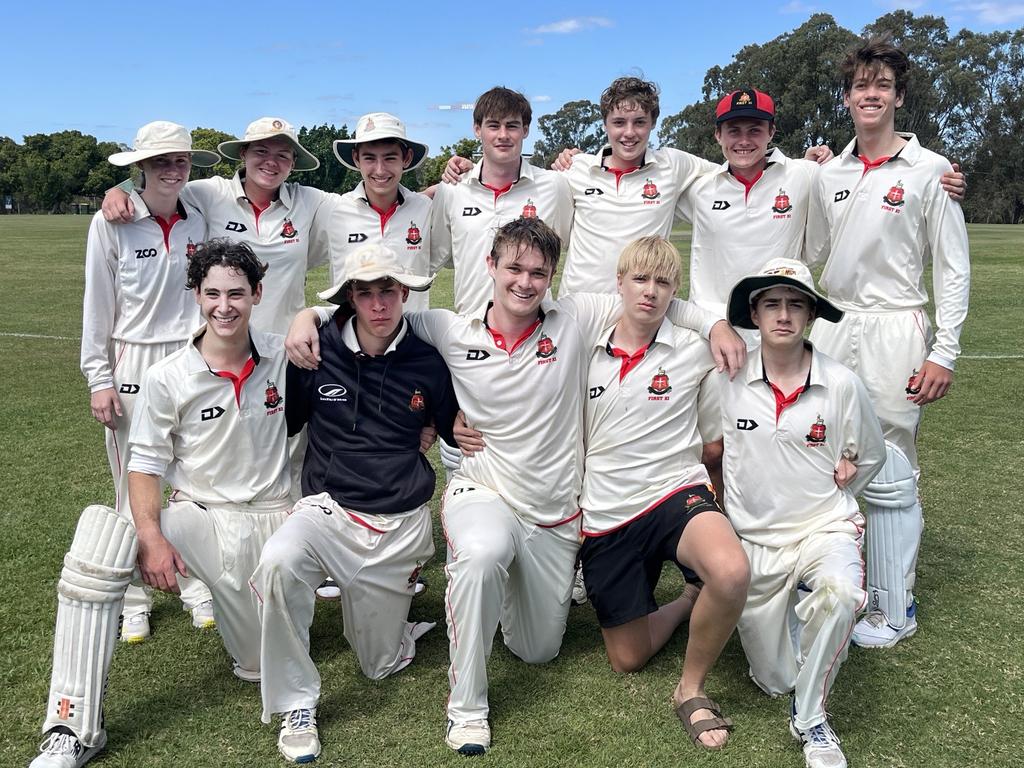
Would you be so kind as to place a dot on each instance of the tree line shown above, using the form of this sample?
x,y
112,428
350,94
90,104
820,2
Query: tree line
x,y
965,100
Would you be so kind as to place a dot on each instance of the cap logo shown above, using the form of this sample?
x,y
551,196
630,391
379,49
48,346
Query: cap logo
x,y
743,99
277,125
369,124
786,271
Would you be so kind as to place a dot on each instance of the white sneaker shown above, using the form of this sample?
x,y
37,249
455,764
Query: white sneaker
x,y
470,738
135,629
328,590
821,746
299,741
579,589
202,616
875,631
419,588
64,750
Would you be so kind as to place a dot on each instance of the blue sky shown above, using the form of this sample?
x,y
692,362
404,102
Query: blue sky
x,y
106,68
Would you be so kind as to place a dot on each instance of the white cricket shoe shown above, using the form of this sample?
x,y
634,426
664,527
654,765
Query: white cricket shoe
x,y
299,741
202,616
328,590
579,589
821,746
135,629
63,750
875,631
470,738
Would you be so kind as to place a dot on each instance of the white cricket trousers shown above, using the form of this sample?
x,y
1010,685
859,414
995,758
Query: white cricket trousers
x,y
831,565
131,361
375,559
500,568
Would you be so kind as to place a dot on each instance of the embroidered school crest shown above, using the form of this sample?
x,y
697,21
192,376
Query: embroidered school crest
x,y
545,347
659,383
693,499
529,210
817,434
288,230
412,237
782,204
274,398
417,401
743,99
190,249
911,389
650,191
895,195
277,125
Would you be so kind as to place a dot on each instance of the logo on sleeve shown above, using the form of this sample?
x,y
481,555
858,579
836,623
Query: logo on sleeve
x,y
546,349
234,226
782,204
659,386
413,237
529,210
288,230
816,436
273,398
417,402
650,191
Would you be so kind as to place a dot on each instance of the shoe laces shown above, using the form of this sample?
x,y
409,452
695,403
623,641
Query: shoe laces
x,y
472,728
299,720
206,605
821,736
61,744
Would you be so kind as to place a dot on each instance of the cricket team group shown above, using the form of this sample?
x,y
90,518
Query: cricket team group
x,y
587,440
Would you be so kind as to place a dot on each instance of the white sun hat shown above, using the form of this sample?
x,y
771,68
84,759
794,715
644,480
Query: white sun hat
x,y
163,138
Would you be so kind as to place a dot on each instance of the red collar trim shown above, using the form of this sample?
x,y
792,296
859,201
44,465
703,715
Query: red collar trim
x,y
238,381
502,343
385,216
748,184
498,191
627,361
166,225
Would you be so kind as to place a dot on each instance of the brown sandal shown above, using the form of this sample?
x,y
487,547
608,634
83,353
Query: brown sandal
x,y
685,711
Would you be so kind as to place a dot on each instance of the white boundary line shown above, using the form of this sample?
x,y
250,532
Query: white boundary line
x,y
74,338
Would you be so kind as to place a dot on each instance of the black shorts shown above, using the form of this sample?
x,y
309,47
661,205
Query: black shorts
x,y
622,568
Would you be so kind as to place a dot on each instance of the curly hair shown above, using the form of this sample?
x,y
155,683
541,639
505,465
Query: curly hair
x,y
222,252
631,91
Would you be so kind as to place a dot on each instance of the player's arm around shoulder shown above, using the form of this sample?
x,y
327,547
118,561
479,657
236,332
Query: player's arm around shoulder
x,y
432,326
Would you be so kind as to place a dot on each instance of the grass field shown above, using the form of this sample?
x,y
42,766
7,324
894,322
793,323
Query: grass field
x,y
951,696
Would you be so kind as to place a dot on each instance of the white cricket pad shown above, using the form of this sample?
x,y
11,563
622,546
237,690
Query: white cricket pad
x,y
97,570
894,530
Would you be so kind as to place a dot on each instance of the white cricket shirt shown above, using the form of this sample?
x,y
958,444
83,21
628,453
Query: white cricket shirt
x,y
877,230
135,285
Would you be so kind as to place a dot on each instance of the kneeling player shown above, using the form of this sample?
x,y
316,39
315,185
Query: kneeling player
x,y
364,519
645,490
210,420
801,440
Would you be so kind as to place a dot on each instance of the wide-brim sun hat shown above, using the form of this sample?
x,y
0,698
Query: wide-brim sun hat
x,y
163,138
373,262
379,126
778,272
271,128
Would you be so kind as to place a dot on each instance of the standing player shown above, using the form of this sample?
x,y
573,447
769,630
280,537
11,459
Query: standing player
x,y
878,218
136,310
364,518
211,421
645,491
801,440
510,512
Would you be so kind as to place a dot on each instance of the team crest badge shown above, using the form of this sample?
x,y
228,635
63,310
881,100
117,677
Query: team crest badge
x,y
370,125
274,398
817,434
693,499
650,191
782,204
413,237
288,230
190,249
659,383
415,575
895,196
529,210
417,402
742,100
911,389
545,347
277,125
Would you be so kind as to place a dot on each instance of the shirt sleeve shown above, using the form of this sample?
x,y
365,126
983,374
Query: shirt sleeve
x,y
951,271
817,233
151,438
686,314
862,437
319,250
561,221
592,312
440,230
446,407
296,402
203,193
99,305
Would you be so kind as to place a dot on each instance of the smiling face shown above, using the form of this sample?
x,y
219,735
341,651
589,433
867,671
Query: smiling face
x,y
744,142
267,164
501,138
629,128
873,99
226,299
381,164
782,314
522,277
167,174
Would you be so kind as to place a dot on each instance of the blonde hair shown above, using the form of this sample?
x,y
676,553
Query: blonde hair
x,y
651,255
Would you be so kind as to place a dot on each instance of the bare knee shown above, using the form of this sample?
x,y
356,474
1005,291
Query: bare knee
x,y
626,660
729,577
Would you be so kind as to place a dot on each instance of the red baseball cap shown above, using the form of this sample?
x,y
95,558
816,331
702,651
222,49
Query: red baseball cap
x,y
745,103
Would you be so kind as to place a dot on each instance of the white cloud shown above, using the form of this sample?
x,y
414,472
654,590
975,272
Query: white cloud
x,y
572,25
540,98
997,14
